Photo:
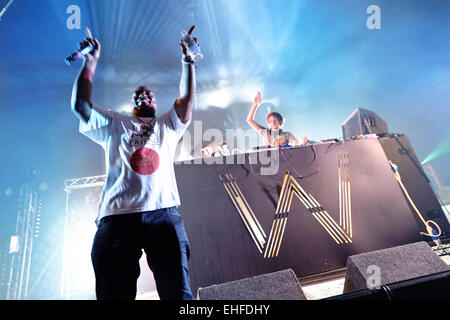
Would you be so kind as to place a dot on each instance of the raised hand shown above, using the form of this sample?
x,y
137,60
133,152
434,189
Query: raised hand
x,y
184,49
251,115
258,98
93,56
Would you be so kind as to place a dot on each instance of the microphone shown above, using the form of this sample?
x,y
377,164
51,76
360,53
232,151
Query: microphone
x,y
78,55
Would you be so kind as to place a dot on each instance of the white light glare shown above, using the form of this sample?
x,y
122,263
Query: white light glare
x,y
14,244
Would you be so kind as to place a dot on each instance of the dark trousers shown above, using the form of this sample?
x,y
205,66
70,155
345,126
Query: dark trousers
x,y
118,246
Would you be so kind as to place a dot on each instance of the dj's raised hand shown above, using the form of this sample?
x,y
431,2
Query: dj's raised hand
x,y
258,98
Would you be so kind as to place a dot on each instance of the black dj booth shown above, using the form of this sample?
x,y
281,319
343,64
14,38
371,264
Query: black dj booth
x,y
307,209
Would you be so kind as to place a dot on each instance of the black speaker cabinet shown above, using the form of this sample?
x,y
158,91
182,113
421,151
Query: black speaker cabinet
x,y
362,122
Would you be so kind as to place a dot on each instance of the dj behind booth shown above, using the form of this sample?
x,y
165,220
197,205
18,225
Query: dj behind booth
x,y
326,201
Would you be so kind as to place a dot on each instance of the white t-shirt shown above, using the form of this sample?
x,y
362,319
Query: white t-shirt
x,y
139,156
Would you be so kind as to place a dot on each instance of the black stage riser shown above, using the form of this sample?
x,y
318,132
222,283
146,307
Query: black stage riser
x,y
372,214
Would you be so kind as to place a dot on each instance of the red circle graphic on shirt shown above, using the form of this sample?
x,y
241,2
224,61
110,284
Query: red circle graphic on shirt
x,y
144,161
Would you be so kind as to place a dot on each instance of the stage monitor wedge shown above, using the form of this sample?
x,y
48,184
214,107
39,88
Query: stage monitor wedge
x,y
400,263
280,285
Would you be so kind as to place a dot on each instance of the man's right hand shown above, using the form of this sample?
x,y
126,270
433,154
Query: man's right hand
x,y
82,89
92,57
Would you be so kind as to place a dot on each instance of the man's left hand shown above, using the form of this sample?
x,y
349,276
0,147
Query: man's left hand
x,y
184,49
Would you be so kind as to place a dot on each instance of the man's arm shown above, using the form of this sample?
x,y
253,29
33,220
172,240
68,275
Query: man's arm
x,y
82,88
251,113
183,105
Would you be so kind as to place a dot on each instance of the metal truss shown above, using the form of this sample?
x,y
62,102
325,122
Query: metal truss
x,y
21,246
85,182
